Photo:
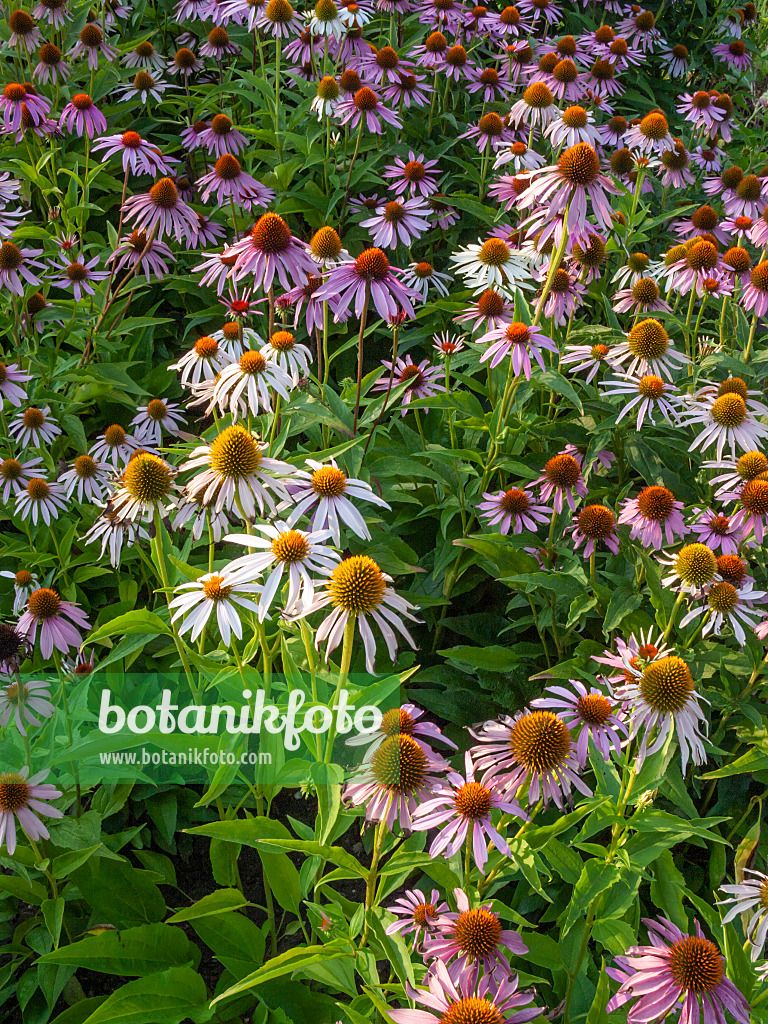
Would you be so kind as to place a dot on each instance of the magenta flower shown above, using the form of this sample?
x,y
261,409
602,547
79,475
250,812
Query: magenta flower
x,y
51,66
734,54
398,222
522,340
533,749
594,526
414,175
494,1000
464,807
130,250
19,103
227,180
654,517
222,137
569,184
369,274
459,946
421,380
91,43
59,622
24,799
366,104
515,509
716,530
79,275
562,477
404,719
268,250
595,716
754,297
163,211
16,264
406,89
137,154
677,973
81,116
416,913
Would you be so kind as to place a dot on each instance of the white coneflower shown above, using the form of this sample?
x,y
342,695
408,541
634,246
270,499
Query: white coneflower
x,y
23,702
87,479
34,427
236,475
146,483
200,516
328,490
491,264
204,361
292,357
235,338
422,276
246,386
41,500
24,582
647,396
324,20
649,350
222,592
358,590
725,604
115,445
749,896
152,419
113,534
284,548
726,421
662,699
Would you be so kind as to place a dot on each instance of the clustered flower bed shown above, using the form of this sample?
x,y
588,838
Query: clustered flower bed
x,y
398,355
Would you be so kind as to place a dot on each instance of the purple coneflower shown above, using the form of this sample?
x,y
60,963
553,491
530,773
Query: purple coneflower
x,y
91,43
398,222
268,250
421,380
594,526
416,913
473,937
515,509
81,116
137,248
522,340
23,799
78,276
59,622
716,530
676,969
464,806
734,54
597,717
40,500
416,175
491,999
138,155
51,66
654,515
23,701
162,211
368,276
532,750
562,478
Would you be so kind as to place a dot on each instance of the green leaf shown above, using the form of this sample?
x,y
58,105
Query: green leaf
x,y
493,658
133,952
119,893
218,902
287,963
596,878
138,621
166,998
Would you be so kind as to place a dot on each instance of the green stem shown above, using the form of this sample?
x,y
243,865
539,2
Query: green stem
x,y
346,661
